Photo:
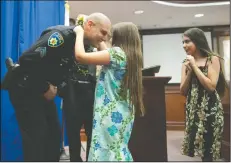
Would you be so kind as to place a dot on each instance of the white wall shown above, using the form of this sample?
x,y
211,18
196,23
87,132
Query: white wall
x,y
166,50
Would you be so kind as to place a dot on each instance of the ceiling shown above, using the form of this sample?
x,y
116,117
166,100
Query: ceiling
x,y
155,15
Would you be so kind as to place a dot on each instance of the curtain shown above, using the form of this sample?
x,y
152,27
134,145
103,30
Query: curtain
x,y
21,25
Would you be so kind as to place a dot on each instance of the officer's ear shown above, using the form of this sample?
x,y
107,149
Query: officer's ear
x,y
90,23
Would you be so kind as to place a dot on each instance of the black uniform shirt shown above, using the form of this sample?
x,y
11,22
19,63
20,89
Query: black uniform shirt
x,y
51,59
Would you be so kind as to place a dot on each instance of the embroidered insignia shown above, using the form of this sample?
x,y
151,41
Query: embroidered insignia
x,y
42,51
55,40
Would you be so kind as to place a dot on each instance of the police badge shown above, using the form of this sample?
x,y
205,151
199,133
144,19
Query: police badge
x,y
55,40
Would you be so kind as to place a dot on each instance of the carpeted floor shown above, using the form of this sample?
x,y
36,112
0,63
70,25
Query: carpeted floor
x,y
174,140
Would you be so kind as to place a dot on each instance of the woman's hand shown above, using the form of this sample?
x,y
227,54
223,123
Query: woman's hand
x,y
191,60
188,67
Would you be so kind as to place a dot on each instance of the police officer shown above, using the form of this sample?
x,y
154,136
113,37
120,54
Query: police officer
x,y
44,67
78,106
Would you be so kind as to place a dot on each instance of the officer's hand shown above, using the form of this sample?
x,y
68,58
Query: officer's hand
x,y
51,93
78,29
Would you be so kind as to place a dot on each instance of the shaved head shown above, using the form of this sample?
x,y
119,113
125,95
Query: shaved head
x,y
99,18
97,28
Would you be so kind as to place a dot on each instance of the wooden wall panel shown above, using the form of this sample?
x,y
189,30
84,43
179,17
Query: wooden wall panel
x,y
225,151
175,108
83,136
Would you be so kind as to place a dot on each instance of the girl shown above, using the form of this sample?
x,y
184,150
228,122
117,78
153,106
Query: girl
x,y
203,84
118,93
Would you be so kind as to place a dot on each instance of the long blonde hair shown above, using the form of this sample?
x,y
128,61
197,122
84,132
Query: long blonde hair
x,y
126,36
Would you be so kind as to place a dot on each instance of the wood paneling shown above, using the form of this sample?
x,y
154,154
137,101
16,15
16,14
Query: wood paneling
x,y
83,135
225,151
148,140
175,108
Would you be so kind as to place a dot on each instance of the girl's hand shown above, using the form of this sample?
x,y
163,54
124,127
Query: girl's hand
x,y
188,67
191,60
78,29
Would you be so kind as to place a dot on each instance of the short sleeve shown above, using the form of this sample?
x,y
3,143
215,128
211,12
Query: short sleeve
x,y
117,57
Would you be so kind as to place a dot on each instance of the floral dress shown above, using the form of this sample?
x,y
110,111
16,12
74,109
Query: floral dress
x,y
204,121
113,118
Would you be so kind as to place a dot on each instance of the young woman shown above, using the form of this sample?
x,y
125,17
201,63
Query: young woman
x,y
203,84
118,93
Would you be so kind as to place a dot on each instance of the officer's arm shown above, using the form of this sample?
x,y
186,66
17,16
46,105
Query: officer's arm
x,y
33,58
32,64
34,61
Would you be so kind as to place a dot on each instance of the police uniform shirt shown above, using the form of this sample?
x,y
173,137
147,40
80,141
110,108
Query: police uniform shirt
x,y
50,58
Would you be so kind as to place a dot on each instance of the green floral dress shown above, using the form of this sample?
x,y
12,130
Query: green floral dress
x,y
204,121
113,118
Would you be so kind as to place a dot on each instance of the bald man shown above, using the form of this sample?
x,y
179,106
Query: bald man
x,y
45,69
78,99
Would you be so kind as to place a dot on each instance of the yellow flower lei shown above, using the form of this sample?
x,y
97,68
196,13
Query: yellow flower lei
x,y
80,19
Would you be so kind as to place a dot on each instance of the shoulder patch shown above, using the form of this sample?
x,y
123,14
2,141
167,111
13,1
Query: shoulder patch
x,y
55,40
42,51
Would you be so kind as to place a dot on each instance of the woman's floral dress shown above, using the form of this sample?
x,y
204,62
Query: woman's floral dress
x,y
113,118
204,121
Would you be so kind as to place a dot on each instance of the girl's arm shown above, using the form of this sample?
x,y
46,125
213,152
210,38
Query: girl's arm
x,y
97,58
209,82
185,78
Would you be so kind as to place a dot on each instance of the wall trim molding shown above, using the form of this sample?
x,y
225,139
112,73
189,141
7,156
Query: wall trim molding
x,y
173,125
211,29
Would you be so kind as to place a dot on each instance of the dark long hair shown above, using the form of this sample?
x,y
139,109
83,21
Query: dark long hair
x,y
126,36
197,36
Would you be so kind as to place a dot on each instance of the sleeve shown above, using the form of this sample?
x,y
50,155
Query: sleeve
x,y
50,44
39,86
31,63
117,58
46,49
32,59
